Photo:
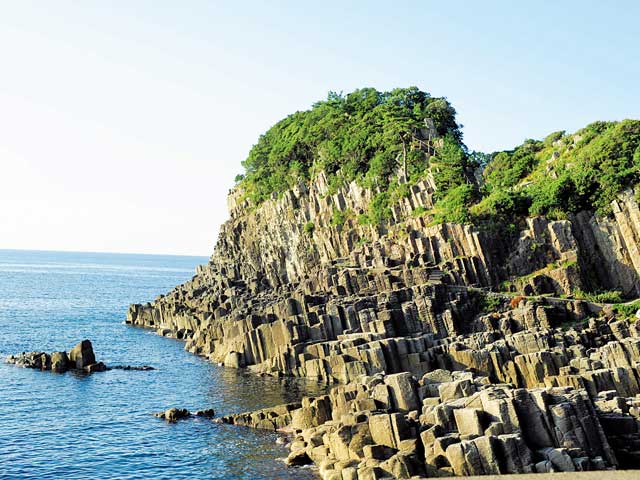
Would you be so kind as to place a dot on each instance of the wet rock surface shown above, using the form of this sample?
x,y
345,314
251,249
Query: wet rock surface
x,y
435,376
174,414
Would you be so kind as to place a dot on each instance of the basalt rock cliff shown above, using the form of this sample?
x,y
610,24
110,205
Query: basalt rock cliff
x,y
436,288
440,375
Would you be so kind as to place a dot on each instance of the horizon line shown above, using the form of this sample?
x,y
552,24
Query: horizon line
x,y
102,252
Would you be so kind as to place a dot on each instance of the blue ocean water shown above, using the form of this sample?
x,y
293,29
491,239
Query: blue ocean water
x,y
71,426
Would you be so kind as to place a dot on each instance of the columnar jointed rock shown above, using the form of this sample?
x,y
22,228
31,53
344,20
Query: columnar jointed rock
x,y
450,386
277,297
81,357
483,429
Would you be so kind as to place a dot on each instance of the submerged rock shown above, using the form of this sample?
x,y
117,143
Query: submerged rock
x,y
141,368
173,414
207,413
95,367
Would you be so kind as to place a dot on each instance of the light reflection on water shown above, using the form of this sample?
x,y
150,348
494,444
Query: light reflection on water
x,y
100,426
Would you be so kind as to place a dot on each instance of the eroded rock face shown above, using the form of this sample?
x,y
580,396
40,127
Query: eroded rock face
x,y
276,296
431,383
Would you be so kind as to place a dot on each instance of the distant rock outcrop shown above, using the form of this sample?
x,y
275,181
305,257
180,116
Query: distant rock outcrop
x,y
81,357
174,414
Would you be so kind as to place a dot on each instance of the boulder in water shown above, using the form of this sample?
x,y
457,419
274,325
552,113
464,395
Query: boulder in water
x,y
37,360
45,361
59,362
82,355
173,414
95,367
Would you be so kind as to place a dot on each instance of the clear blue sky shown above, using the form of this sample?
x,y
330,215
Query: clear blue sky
x,y
122,124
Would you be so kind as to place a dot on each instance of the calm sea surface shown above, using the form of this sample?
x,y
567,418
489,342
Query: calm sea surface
x,y
69,426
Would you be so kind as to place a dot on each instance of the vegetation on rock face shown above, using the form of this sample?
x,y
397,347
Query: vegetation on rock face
x,y
564,173
628,310
339,217
609,296
309,227
388,140
490,302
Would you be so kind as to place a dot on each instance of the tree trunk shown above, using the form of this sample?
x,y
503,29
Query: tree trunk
x,y
404,159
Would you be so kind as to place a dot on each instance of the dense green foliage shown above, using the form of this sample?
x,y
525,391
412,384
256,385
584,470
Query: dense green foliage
x,y
366,135
339,217
490,303
564,173
388,140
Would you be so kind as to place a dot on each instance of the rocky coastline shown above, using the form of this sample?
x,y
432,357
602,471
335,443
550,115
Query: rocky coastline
x,y
439,369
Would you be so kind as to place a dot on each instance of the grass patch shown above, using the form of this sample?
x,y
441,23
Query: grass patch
x,y
418,211
627,310
609,296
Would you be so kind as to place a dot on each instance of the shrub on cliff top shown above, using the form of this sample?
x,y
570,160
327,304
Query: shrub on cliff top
x,y
389,140
564,173
365,134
